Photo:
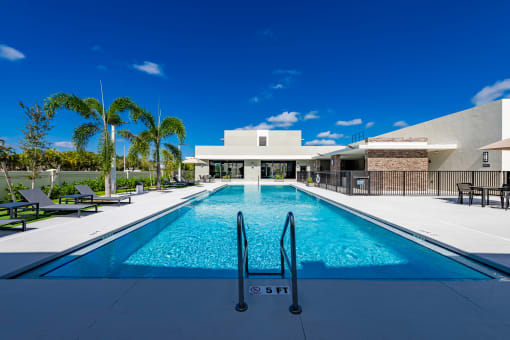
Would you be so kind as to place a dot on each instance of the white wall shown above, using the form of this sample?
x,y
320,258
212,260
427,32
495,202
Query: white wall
x,y
469,129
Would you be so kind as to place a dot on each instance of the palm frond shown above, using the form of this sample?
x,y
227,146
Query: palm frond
x,y
144,116
176,153
172,126
83,133
67,101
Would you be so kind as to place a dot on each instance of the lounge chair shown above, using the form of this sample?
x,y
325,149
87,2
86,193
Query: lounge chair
x,y
171,184
467,189
86,190
15,220
181,182
45,204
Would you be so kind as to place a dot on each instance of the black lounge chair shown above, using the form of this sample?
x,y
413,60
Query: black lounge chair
x,y
167,183
181,182
467,189
86,190
45,204
13,221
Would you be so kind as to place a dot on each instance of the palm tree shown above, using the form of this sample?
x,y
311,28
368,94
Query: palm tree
x,y
153,137
100,119
5,152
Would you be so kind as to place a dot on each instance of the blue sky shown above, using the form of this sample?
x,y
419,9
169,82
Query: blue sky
x,y
330,69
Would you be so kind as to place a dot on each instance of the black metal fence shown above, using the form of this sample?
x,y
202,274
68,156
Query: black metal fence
x,y
401,183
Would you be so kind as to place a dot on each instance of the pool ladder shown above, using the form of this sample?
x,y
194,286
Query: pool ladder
x,y
242,262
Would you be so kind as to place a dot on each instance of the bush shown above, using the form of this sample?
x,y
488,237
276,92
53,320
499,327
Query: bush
x,y
15,188
309,180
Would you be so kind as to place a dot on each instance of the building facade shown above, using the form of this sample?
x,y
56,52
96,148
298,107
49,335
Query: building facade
x,y
451,142
258,154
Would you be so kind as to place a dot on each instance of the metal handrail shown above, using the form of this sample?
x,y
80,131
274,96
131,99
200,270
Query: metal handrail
x,y
295,308
242,260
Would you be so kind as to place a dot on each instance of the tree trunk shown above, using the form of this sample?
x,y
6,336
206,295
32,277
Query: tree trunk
x,y
107,184
53,179
8,180
33,175
158,169
158,175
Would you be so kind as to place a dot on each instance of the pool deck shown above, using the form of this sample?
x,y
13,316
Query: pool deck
x,y
204,309
480,233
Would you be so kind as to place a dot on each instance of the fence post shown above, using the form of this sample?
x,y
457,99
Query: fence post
x,y
472,177
349,183
369,181
403,183
438,183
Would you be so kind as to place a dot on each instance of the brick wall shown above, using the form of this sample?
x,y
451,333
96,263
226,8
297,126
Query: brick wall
x,y
397,160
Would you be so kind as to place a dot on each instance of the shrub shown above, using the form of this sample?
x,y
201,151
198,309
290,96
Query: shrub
x,y
309,180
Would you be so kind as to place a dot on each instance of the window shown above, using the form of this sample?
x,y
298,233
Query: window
x,y
271,169
233,169
262,141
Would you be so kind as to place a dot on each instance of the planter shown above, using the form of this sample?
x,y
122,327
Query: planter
x,y
309,184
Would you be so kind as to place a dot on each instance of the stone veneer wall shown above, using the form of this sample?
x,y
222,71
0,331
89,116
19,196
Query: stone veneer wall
x,y
397,160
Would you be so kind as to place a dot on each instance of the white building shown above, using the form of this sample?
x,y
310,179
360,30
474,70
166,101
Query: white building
x,y
450,142
254,154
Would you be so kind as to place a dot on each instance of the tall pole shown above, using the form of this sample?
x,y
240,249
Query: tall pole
x,y
179,169
114,164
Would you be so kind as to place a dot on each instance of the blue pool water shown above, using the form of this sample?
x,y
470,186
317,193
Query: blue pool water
x,y
199,240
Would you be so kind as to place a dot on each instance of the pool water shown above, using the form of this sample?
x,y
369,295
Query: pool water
x,y
199,241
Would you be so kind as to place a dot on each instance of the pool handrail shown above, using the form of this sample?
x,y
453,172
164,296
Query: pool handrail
x,y
294,308
242,261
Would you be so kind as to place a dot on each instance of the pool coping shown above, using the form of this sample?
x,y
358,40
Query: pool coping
x,y
498,271
53,257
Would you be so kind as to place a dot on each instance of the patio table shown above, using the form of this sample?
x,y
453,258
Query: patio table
x,y
486,192
13,207
76,197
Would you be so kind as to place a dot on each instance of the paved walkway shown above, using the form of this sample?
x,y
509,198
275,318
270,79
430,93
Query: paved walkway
x,y
47,239
480,233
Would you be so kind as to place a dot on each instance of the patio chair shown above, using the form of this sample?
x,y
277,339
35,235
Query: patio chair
x,y
13,221
45,204
467,189
86,190
181,182
169,183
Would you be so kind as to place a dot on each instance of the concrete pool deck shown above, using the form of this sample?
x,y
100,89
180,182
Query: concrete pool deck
x,y
479,233
204,309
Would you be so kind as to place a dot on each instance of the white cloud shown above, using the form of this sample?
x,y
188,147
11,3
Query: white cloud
x,y
97,48
491,92
400,123
101,67
278,86
356,121
69,145
284,119
149,68
369,125
311,115
321,142
10,53
255,99
261,126
328,134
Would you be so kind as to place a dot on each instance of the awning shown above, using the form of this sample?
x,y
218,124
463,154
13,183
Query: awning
x,y
503,144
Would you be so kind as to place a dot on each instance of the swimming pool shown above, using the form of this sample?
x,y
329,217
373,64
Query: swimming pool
x,y
198,240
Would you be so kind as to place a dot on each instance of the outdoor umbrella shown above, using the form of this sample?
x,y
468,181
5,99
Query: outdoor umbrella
x,y
503,144
193,160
